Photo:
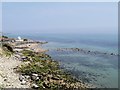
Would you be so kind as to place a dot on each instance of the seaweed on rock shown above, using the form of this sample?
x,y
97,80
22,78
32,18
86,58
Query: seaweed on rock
x,y
45,73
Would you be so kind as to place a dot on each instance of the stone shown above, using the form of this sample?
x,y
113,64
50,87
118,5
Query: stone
x,y
35,86
35,77
5,79
55,78
27,76
111,53
34,74
23,82
46,85
24,58
21,77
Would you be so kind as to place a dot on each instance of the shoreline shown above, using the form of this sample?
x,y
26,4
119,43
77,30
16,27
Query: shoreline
x,y
36,49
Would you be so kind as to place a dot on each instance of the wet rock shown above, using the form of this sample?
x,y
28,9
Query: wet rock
x,y
88,51
104,53
111,54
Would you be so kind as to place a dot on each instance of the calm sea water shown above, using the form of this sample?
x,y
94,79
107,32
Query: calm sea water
x,y
100,70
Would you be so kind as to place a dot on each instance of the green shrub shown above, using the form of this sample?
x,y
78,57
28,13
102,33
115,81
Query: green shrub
x,y
7,49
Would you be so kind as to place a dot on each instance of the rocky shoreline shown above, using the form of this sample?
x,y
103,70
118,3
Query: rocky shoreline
x,y
87,51
43,72
31,67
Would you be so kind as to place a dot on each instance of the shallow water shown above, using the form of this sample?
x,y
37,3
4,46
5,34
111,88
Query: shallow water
x,y
100,70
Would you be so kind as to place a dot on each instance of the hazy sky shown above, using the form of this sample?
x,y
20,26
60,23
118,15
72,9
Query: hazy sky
x,y
60,17
0,17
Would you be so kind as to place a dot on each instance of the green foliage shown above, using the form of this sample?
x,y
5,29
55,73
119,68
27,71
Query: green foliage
x,y
44,67
4,36
36,56
7,49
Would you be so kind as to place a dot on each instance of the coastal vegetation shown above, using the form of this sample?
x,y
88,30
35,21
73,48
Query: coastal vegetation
x,y
44,72
6,49
38,68
3,36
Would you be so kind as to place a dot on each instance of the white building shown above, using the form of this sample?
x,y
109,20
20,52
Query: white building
x,y
19,39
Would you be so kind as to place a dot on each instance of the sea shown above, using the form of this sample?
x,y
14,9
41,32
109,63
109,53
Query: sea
x,y
98,67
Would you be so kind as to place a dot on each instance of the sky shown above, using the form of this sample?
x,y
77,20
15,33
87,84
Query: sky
x,y
0,18
60,0
60,17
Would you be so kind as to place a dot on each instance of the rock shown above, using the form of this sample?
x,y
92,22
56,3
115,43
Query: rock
x,y
27,63
24,58
23,82
35,86
111,54
21,77
50,75
88,51
5,79
34,74
44,74
35,77
55,78
72,85
27,76
46,85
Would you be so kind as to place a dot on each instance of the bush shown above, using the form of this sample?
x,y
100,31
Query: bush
x,y
8,47
4,36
